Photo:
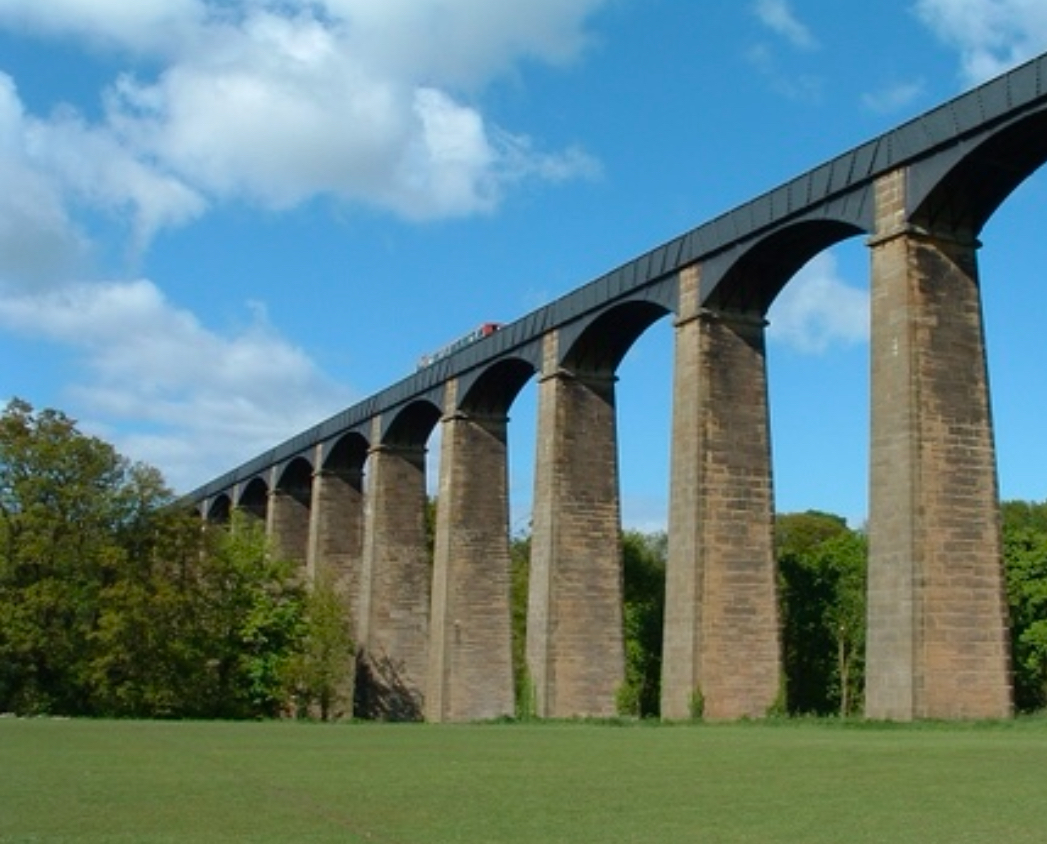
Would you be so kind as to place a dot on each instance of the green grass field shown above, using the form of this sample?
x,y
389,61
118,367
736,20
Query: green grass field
x,y
105,781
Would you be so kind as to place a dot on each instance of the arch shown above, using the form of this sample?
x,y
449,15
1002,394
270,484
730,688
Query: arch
x,y
600,345
494,390
411,425
960,192
751,279
296,479
219,509
345,455
254,498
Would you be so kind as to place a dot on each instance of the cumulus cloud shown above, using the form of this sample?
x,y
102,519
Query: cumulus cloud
x,y
38,240
278,102
98,171
145,26
265,102
461,43
818,309
778,16
191,391
991,35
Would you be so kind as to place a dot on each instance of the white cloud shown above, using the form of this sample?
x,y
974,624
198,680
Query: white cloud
x,y
96,170
894,97
460,43
805,88
326,113
51,167
142,25
38,240
779,17
991,35
204,400
817,309
278,102
272,102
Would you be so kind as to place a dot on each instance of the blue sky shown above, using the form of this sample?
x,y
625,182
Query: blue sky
x,y
222,221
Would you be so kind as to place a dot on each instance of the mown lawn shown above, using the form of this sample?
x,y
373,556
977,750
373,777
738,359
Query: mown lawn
x,y
106,781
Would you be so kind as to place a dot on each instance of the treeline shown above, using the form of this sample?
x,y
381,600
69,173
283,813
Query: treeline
x,y
114,602
821,591
822,564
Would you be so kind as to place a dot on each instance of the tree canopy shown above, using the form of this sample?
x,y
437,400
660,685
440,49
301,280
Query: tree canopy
x,y
114,601
821,565
1025,553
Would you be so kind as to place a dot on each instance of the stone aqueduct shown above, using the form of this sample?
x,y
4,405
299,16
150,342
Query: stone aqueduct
x,y
435,639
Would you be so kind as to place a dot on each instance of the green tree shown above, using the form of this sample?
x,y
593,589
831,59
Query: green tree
x,y
68,502
115,601
143,660
249,622
322,670
643,614
844,560
520,562
821,564
199,623
1025,556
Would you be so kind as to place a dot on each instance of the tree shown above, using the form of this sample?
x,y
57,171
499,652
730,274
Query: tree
x,y
114,601
643,614
844,559
1025,556
66,500
144,661
520,563
250,622
322,670
821,564
202,623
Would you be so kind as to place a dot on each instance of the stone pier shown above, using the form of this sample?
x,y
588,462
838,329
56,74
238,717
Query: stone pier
x,y
336,533
288,515
394,601
470,645
721,652
937,642
575,651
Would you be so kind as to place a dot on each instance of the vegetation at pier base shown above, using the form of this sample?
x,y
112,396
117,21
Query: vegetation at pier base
x,y
114,602
1025,552
523,686
320,671
821,588
643,613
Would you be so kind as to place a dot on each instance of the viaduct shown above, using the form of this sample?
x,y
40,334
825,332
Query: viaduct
x,y
434,636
